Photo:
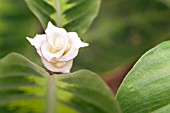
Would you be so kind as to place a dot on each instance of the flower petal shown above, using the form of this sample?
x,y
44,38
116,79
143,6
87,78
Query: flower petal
x,y
53,33
75,43
52,67
70,55
47,54
75,40
37,42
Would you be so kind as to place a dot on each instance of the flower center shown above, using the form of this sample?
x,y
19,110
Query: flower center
x,y
59,43
53,50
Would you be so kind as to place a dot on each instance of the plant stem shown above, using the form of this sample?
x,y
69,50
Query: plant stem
x,y
59,12
51,97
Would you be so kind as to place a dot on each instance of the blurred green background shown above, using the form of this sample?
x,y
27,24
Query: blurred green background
x,y
122,32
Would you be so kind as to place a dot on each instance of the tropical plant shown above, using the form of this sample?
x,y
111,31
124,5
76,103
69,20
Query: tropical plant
x,y
26,87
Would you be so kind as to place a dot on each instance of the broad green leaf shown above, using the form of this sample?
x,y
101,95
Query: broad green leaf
x,y
27,88
146,89
73,15
42,10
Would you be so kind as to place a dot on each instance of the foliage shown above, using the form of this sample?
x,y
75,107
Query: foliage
x,y
146,88
123,31
117,29
27,88
73,15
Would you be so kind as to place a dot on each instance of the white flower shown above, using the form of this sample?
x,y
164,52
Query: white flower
x,y
57,48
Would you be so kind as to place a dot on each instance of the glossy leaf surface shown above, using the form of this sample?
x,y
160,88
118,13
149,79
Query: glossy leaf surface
x,y
146,88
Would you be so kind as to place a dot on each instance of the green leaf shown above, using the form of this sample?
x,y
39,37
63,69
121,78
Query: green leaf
x,y
42,10
73,15
146,88
80,16
27,88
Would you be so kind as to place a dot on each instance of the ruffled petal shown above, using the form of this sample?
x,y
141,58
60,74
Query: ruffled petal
x,y
54,68
75,40
47,54
70,55
37,42
75,43
53,33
